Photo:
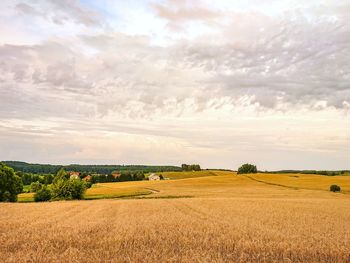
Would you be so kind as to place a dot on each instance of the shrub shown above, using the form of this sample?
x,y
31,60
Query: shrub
x,y
334,188
35,186
77,188
247,169
88,184
43,194
10,184
68,189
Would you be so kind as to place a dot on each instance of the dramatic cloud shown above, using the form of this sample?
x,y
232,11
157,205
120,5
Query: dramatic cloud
x,y
253,77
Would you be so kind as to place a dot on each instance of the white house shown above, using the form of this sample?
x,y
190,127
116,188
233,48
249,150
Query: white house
x,y
74,175
153,177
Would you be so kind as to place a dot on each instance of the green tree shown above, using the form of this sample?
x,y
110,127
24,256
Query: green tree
x,y
68,189
185,167
247,169
35,186
334,188
61,175
10,184
43,194
190,167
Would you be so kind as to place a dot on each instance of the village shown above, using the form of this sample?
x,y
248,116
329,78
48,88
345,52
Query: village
x,y
115,176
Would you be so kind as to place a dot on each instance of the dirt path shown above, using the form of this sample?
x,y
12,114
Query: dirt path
x,y
154,191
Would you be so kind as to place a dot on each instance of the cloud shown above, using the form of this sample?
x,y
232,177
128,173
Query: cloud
x,y
278,64
253,75
61,12
177,13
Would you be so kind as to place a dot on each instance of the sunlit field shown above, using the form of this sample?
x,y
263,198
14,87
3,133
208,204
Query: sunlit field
x,y
305,181
215,184
183,175
223,217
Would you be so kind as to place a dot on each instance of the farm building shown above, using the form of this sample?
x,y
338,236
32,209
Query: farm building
x,y
116,174
153,177
87,178
74,175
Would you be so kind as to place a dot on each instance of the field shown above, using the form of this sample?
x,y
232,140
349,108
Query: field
x,y
305,181
221,217
183,175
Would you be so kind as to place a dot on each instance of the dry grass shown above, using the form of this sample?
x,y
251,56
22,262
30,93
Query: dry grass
x,y
229,219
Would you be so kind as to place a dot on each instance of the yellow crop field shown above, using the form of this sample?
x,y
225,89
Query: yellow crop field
x,y
183,175
221,218
305,181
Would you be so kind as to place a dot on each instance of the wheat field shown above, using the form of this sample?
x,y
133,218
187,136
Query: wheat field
x,y
224,218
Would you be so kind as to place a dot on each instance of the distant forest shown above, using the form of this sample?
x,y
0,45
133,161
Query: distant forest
x,y
98,169
328,173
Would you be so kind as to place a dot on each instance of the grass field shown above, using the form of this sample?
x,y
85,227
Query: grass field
x,y
228,218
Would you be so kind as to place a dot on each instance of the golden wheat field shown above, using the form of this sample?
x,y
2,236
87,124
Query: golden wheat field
x,y
218,218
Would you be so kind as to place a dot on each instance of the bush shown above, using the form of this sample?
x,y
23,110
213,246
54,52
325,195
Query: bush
x,y
68,189
247,169
88,185
35,186
10,184
61,175
77,188
43,194
334,188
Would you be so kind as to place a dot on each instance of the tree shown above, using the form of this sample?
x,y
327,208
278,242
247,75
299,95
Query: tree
x,y
10,184
185,167
191,167
247,169
195,167
77,188
68,189
61,175
43,194
334,188
35,186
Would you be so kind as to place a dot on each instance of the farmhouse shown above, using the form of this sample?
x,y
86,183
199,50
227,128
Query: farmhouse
x,y
74,175
153,177
116,174
87,178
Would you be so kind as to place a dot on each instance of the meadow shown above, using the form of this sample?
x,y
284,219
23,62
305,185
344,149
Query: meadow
x,y
217,217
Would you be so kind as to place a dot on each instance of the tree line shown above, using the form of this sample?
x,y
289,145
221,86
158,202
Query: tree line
x,y
124,176
98,169
190,167
318,172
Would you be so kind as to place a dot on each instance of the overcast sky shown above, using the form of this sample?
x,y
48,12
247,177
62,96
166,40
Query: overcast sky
x,y
218,83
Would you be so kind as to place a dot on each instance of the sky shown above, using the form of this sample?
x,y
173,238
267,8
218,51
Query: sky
x,y
219,83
